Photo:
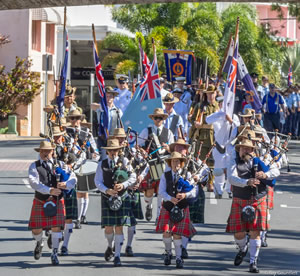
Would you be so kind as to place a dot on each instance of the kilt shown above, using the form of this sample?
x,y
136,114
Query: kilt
x,y
147,184
197,208
182,228
137,205
270,197
235,223
123,217
38,219
71,205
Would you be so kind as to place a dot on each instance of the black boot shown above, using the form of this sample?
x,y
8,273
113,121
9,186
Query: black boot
x,y
167,258
128,251
184,253
83,220
49,241
108,254
38,250
77,224
253,267
240,257
117,261
148,213
179,263
54,259
64,251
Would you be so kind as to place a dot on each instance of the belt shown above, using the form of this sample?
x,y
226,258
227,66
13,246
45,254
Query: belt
x,y
206,126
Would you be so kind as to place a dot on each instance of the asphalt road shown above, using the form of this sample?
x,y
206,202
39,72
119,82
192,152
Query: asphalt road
x,y
211,252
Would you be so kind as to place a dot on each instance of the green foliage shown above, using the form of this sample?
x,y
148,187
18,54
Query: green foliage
x,y
3,130
291,57
124,66
294,10
20,86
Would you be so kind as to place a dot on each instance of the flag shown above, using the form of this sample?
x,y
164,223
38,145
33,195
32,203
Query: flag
x,y
290,75
228,59
244,76
179,64
146,98
230,87
63,78
145,61
103,128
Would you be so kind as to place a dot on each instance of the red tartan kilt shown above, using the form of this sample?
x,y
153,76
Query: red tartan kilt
x,y
146,184
182,228
235,223
270,197
38,219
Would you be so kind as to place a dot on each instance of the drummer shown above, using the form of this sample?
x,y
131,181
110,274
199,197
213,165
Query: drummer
x,y
156,137
84,147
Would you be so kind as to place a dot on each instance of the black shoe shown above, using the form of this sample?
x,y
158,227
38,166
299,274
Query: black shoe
x,y
264,243
83,220
148,213
128,251
230,195
38,250
184,254
108,254
47,232
117,261
179,263
167,258
49,241
217,196
54,259
240,256
77,224
156,221
64,251
253,267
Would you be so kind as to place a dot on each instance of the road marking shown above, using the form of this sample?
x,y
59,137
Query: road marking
x,y
212,199
289,207
26,182
16,161
279,192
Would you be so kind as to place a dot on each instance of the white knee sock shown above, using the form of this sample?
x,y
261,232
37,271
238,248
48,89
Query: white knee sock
x,y
159,201
118,244
56,236
263,235
67,234
39,237
130,234
85,206
168,244
241,243
80,207
228,187
110,238
177,244
184,241
148,200
219,184
254,249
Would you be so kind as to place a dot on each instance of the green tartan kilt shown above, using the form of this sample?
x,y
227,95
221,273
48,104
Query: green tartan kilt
x,y
197,208
123,217
71,205
136,205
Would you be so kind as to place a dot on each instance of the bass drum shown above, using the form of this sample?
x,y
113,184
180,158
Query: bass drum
x,y
85,176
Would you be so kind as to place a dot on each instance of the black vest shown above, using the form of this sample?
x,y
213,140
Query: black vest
x,y
246,171
163,138
171,189
108,174
47,178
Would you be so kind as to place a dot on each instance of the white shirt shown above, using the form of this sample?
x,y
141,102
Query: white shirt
x,y
122,100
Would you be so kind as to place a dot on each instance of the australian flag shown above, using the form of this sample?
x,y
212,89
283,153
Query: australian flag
x,y
145,61
63,78
103,128
146,98
290,75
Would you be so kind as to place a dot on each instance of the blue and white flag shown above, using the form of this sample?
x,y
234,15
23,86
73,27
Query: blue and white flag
x,y
228,60
244,76
179,64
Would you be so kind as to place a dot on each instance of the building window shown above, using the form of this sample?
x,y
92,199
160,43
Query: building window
x,y
50,29
36,35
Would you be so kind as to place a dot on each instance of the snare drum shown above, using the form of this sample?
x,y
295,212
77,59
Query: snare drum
x,y
85,176
156,168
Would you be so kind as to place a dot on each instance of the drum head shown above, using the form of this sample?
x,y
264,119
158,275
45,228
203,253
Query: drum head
x,y
87,168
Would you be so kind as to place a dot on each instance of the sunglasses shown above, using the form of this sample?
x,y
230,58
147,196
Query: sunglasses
x,y
158,118
75,118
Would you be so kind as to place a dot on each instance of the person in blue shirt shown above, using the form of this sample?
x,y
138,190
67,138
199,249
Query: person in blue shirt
x,y
124,97
292,104
272,102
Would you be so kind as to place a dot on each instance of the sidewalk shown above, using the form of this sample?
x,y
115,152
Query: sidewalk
x,y
12,137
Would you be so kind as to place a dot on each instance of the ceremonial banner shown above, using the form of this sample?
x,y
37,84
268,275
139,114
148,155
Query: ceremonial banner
x,y
228,60
179,64
290,76
146,98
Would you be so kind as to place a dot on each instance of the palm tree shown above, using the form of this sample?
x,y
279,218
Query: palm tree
x,y
292,57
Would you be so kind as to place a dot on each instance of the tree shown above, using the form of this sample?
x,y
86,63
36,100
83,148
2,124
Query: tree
x,y
3,39
20,86
292,57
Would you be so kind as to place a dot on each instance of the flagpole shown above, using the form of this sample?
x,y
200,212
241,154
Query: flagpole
x,y
224,58
141,63
94,38
236,30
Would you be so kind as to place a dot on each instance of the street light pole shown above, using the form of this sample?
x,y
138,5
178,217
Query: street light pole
x,y
92,83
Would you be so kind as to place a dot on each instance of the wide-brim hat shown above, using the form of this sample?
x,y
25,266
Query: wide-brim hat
x,y
258,129
48,108
109,89
176,155
201,87
45,145
63,123
169,98
210,89
56,131
180,142
158,112
177,90
70,90
247,133
119,133
75,113
113,144
84,123
245,143
248,113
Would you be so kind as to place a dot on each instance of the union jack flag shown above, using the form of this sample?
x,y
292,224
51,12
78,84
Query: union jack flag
x,y
290,76
150,87
145,61
103,129
230,88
